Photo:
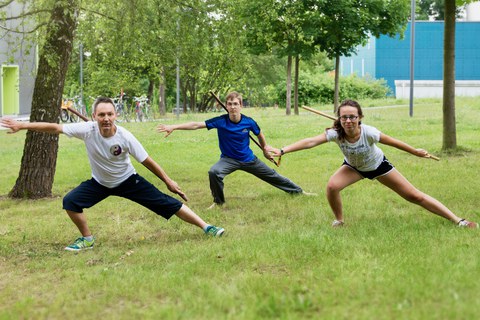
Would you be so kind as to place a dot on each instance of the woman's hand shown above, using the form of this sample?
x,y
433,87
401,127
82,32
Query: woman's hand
x,y
273,151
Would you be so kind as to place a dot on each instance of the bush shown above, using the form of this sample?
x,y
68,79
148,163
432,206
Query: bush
x,y
320,89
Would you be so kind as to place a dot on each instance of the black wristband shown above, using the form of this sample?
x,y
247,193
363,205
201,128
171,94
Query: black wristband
x,y
282,152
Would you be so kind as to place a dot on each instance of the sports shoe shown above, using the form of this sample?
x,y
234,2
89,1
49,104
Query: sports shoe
x,y
81,244
214,231
467,224
213,205
216,205
337,223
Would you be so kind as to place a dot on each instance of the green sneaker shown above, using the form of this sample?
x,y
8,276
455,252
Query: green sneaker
x,y
214,231
81,244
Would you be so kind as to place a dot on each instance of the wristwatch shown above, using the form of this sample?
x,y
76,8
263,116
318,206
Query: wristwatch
x,y
282,152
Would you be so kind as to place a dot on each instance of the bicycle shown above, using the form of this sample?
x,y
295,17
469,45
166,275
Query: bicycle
x,y
64,114
80,107
70,111
121,108
142,108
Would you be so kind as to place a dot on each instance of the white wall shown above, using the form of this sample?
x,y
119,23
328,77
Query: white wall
x,y
472,12
23,53
434,88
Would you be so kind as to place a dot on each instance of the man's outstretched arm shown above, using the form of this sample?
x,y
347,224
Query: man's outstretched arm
x,y
46,127
183,126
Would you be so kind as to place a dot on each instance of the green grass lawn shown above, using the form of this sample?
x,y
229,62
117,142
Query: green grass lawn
x,y
279,258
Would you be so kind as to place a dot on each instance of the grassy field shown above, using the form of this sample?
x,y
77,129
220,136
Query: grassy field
x,y
279,258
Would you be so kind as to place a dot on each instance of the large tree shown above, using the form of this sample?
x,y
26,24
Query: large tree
x,y
342,25
137,40
277,26
38,164
449,126
433,9
449,122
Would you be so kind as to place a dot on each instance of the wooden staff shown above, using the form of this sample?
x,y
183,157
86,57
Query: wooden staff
x,y
78,114
320,113
429,156
432,157
251,138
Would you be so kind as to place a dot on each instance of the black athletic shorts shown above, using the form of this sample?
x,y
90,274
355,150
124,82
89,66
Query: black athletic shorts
x,y
135,188
384,168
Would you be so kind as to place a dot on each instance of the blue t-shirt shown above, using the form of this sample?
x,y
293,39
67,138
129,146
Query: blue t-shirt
x,y
233,137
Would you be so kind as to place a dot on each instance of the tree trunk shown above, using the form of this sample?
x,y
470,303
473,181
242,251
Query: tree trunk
x,y
295,86
39,159
193,96
288,105
183,93
449,126
161,93
336,92
151,87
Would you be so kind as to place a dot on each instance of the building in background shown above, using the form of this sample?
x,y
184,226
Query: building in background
x,y
18,65
389,58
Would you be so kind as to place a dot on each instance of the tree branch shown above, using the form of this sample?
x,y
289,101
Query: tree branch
x,y
97,13
26,14
5,4
24,32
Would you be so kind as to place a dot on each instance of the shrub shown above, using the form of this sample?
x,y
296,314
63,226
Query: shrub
x,y
320,89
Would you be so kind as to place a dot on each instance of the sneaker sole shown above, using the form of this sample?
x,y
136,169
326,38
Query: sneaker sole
x,y
220,233
76,250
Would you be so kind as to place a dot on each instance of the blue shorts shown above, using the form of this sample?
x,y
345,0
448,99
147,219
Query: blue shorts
x,y
384,168
135,188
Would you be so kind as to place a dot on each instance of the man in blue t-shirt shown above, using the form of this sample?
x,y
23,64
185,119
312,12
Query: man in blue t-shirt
x,y
233,136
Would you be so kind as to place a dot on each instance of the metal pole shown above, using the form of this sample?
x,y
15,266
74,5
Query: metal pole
x,y
178,72
412,54
80,49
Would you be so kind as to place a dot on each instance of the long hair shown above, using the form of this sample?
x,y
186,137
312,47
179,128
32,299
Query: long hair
x,y
337,126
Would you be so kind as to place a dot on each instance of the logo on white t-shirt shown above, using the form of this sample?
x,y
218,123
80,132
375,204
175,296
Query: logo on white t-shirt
x,y
116,150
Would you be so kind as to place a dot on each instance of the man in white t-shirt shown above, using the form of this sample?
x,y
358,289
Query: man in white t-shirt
x,y
109,148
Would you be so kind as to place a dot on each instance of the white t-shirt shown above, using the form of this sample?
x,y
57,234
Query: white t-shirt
x,y
364,154
108,157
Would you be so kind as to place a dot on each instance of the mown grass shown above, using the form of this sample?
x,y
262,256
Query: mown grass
x,y
279,259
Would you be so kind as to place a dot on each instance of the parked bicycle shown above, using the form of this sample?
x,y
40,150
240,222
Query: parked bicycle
x,y
72,110
142,108
122,108
64,113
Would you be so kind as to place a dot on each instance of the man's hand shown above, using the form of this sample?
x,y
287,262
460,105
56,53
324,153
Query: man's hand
x,y
11,124
165,128
173,187
267,153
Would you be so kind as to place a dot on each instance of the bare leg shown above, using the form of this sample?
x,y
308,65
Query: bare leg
x,y
80,221
187,215
398,183
341,179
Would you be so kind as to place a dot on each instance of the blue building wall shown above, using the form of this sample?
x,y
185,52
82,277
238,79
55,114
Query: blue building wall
x,y
363,63
392,55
